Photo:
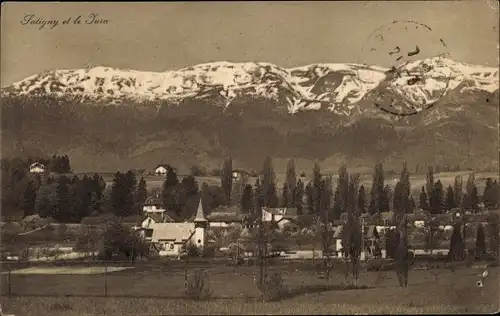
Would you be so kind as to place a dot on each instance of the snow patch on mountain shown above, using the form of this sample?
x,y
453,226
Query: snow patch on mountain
x,y
337,87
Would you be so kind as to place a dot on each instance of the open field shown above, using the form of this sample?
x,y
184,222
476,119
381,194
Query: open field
x,y
66,270
417,181
235,292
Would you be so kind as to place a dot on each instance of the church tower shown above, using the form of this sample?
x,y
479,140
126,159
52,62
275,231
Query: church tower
x,y
200,227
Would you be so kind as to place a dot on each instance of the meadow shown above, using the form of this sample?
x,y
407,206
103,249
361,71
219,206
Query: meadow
x,y
153,289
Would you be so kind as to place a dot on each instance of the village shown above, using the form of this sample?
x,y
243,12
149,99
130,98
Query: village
x,y
305,158
227,230
266,245
169,236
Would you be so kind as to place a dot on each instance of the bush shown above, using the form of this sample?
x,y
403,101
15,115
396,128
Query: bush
x,y
198,171
119,242
191,249
272,288
493,231
209,251
236,253
196,288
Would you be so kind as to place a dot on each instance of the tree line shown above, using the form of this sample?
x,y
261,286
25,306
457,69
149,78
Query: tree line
x,y
70,199
64,198
435,199
55,164
318,194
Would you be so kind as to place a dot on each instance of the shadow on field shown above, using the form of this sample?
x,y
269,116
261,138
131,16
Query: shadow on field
x,y
319,288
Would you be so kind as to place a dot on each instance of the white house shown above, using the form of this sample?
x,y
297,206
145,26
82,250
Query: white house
x,y
153,205
153,209
150,219
37,167
419,224
239,174
170,238
161,170
281,216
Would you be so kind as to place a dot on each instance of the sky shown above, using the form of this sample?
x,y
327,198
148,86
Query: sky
x,y
165,36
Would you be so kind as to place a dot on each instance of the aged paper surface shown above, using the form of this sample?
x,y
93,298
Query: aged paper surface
x,y
331,157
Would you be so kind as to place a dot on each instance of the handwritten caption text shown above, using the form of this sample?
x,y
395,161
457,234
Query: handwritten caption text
x,y
82,19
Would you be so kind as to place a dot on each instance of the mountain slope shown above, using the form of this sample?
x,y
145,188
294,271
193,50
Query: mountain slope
x,y
107,118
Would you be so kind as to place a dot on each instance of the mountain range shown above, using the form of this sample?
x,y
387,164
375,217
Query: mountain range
x,y
431,111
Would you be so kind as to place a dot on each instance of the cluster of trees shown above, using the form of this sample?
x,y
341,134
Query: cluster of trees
x,y
491,194
457,250
180,197
264,193
315,196
70,199
383,199
127,196
107,236
16,181
58,164
434,199
55,164
64,198
23,192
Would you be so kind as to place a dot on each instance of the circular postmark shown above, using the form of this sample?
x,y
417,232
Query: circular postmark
x,y
408,66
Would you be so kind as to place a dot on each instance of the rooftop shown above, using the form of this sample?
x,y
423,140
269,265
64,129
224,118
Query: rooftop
x,y
156,217
177,232
225,217
153,200
285,211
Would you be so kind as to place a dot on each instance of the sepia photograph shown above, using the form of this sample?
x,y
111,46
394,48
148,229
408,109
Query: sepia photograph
x,y
249,158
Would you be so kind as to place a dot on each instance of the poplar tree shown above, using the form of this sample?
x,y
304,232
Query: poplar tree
x,y
423,204
298,197
226,179
450,199
291,181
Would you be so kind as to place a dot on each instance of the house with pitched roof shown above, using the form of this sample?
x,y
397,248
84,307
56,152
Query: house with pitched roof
x,y
226,216
37,167
153,204
238,174
144,226
279,215
161,170
153,211
170,238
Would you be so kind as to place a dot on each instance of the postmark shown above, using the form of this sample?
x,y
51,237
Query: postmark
x,y
415,62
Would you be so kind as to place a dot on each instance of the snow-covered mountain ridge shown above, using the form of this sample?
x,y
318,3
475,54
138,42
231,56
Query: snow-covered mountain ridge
x,y
339,87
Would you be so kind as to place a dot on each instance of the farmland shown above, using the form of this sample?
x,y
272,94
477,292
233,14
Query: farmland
x,y
158,289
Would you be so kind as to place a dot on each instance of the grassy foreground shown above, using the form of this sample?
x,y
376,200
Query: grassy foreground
x,y
27,306
234,293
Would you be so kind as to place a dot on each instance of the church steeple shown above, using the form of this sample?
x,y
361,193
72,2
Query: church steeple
x,y
200,216
200,225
